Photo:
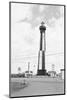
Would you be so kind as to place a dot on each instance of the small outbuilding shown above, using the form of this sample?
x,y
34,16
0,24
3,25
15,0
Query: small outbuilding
x,y
52,73
28,73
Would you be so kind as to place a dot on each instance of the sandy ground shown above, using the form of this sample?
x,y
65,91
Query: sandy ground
x,y
36,86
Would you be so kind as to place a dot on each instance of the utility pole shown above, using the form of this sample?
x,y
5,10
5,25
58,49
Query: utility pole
x,y
28,67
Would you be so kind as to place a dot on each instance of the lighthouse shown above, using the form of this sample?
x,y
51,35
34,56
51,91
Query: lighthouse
x,y
41,54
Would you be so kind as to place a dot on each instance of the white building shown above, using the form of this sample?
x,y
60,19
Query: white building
x,y
28,73
52,73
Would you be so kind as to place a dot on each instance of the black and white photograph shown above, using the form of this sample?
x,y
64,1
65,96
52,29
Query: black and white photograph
x,y
37,49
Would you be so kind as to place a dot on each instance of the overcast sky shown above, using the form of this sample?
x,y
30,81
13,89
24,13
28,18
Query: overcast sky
x,y
25,36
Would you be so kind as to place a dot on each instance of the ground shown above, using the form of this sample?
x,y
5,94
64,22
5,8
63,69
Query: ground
x,y
36,86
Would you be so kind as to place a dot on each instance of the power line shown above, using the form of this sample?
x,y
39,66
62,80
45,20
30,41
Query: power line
x,y
20,53
61,53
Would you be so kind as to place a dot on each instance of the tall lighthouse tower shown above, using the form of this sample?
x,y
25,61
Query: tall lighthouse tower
x,y
41,55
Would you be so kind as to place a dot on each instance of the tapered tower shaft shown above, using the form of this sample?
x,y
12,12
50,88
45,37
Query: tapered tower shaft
x,y
41,54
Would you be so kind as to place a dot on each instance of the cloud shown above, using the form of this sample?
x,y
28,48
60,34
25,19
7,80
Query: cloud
x,y
45,13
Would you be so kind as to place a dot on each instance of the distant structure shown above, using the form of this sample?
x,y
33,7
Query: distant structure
x,y
41,56
62,73
52,73
28,73
53,67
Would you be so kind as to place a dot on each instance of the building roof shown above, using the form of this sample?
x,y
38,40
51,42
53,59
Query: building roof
x,y
28,72
62,69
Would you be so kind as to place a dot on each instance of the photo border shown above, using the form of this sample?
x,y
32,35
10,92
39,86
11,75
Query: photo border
x,y
10,49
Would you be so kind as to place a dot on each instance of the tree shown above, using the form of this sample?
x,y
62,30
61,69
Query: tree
x,y
19,70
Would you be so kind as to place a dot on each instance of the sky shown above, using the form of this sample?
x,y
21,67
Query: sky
x,y
25,36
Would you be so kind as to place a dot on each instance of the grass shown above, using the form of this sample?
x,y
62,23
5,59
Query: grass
x,y
36,86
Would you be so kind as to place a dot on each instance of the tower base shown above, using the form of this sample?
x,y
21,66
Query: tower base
x,y
42,72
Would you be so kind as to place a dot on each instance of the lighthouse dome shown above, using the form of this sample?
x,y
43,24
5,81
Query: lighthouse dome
x,y
42,27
